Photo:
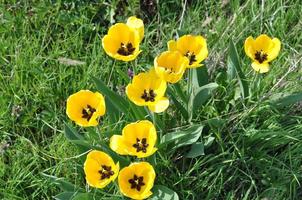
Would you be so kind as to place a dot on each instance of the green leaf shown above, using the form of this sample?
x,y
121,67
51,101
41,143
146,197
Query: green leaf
x,y
234,70
118,101
201,95
64,196
182,137
73,136
286,100
161,192
178,105
200,77
178,93
83,196
197,149
64,185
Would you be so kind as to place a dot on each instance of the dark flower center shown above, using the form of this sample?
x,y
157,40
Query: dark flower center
x,y
191,57
88,112
106,172
141,145
126,49
260,56
148,96
136,182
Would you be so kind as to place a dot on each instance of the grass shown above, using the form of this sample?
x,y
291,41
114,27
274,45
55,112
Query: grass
x,y
256,153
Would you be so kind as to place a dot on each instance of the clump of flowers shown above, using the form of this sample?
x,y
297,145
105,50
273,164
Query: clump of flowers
x,y
138,139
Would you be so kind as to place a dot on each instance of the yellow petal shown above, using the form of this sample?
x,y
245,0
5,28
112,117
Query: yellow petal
x,y
261,68
160,105
117,144
136,24
172,45
249,47
262,42
274,50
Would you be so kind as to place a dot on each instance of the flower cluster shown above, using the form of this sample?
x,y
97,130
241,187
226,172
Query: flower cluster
x,y
148,89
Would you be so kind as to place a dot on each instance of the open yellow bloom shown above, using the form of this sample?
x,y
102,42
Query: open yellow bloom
x,y
136,180
262,51
84,107
147,89
137,139
137,24
170,66
191,46
100,169
122,42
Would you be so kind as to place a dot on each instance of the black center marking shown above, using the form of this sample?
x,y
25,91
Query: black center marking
x,y
141,145
136,182
88,112
191,56
148,96
106,172
260,56
126,50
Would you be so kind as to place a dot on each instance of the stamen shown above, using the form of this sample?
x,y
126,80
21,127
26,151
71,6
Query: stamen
x,y
149,96
260,56
191,56
88,112
141,145
137,182
106,172
126,50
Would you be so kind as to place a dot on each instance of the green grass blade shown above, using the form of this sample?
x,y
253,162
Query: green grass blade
x,y
234,70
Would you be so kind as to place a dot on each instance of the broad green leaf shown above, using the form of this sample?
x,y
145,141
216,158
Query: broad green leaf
x,y
234,69
182,137
197,149
201,95
65,196
118,101
83,196
200,77
178,105
161,192
179,93
64,185
286,100
72,134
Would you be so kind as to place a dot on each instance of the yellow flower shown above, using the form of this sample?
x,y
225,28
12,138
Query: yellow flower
x,y
100,169
262,51
137,24
170,66
84,107
122,42
147,89
136,180
137,139
193,47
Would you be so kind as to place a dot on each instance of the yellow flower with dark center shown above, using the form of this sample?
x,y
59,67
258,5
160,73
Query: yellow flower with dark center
x,y
137,24
262,51
136,180
84,107
100,169
191,46
122,42
137,139
147,89
170,66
